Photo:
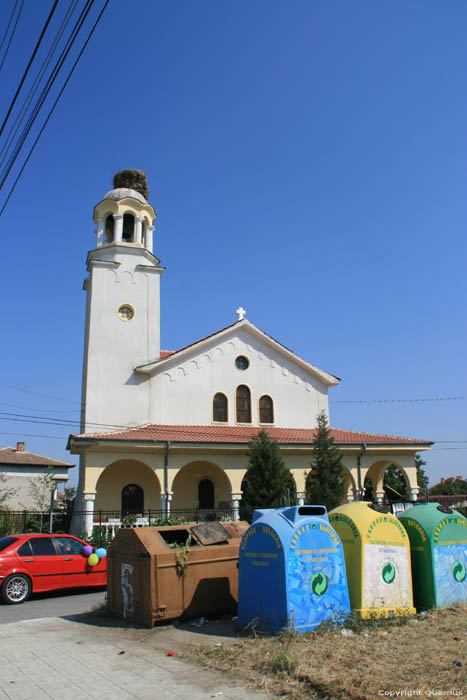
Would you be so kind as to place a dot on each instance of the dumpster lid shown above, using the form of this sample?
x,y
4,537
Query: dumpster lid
x,y
445,509
210,533
378,507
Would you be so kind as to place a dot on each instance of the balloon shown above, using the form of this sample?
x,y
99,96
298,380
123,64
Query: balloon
x,y
101,552
87,550
93,559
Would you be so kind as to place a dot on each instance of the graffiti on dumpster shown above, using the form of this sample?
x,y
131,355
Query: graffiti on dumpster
x,y
127,590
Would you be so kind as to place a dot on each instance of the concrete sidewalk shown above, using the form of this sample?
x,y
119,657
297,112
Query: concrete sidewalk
x,y
72,659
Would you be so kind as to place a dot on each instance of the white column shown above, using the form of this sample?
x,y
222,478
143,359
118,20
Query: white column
x,y
118,228
350,497
139,229
166,498
148,240
235,499
100,233
89,499
414,494
379,496
301,498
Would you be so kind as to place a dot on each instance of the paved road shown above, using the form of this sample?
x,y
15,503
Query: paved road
x,y
53,604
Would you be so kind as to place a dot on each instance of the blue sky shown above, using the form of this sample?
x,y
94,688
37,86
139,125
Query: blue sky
x,y
307,160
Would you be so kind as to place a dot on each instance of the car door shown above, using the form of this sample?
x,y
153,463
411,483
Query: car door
x,y
39,558
76,570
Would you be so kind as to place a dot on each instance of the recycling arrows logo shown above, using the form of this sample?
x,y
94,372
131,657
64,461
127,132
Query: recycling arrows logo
x,y
388,572
459,572
319,584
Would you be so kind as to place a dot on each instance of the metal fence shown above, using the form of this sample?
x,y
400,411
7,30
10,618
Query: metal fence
x,y
105,522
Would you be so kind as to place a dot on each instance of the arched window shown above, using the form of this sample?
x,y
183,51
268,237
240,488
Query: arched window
x,y
206,493
219,408
243,404
128,228
132,499
109,229
266,410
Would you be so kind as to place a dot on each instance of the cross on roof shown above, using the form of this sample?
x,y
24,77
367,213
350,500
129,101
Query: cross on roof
x,y
240,313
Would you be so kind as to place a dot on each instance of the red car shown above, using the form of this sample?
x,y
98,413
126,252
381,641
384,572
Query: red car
x,y
33,563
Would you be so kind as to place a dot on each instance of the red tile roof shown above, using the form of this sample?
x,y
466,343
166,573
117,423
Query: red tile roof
x,y
165,353
9,455
243,434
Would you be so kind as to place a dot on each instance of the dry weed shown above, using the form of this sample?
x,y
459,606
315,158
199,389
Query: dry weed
x,y
423,656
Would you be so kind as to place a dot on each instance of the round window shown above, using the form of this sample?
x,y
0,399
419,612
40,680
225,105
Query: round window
x,y
242,362
126,312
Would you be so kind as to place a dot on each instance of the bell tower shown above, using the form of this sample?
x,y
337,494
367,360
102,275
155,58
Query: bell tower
x,y
122,308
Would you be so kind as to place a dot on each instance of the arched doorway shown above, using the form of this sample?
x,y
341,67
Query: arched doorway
x,y
206,494
132,499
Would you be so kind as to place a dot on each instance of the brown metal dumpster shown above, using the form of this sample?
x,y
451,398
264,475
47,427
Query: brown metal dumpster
x,y
159,573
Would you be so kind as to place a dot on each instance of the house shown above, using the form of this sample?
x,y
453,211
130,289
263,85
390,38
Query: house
x,y
20,468
169,430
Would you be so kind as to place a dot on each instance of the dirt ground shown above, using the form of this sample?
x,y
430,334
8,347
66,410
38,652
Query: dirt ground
x,y
422,656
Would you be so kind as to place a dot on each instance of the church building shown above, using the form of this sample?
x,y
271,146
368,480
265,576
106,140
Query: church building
x,y
169,430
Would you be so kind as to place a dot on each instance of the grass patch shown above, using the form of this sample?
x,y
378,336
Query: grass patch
x,y
423,654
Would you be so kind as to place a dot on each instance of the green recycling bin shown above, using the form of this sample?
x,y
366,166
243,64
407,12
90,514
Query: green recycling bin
x,y
438,546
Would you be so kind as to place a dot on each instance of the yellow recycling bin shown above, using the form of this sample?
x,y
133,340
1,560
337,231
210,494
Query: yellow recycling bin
x,y
377,559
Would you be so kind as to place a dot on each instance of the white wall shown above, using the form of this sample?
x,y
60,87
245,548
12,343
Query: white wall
x,y
19,478
182,392
113,393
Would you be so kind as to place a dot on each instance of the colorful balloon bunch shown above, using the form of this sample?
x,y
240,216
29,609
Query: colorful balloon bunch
x,y
93,557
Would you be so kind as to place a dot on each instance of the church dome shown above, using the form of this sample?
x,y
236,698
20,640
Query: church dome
x,y
122,192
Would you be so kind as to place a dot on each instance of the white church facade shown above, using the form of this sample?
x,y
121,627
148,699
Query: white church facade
x,y
169,430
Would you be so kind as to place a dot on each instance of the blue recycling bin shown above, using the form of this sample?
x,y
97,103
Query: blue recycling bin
x,y
291,571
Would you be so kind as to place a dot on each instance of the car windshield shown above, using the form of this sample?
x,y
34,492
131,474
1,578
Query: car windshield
x,y
6,541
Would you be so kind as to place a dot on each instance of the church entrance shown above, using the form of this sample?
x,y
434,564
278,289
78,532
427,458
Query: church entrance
x,y
201,486
132,499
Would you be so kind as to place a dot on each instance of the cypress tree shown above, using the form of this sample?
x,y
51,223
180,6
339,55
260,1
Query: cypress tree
x,y
267,483
325,484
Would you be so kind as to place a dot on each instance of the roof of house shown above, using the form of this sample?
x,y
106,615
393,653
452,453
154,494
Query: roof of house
x,y
10,455
447,480
243,434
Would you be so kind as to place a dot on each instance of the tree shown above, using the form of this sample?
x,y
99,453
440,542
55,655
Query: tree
x,y
267,483
325,483
450,487
40,488
6,492
422,478
396,480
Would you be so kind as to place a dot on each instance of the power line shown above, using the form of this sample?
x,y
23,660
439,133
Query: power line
x,y
32,91
49,437
9,24
53,107
39,410
440,398
36,48
45,91
12,33
36,393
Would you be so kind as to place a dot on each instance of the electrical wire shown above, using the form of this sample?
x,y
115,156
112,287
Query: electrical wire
x,y
45,91
12,33
32,91
53,107
49,437
441,398
9,24
37,393
36,48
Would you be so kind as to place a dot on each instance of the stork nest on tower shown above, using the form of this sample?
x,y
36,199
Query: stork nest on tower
x,y
133,180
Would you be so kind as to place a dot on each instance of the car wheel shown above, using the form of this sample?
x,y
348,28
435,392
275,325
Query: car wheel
x,y
16,589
